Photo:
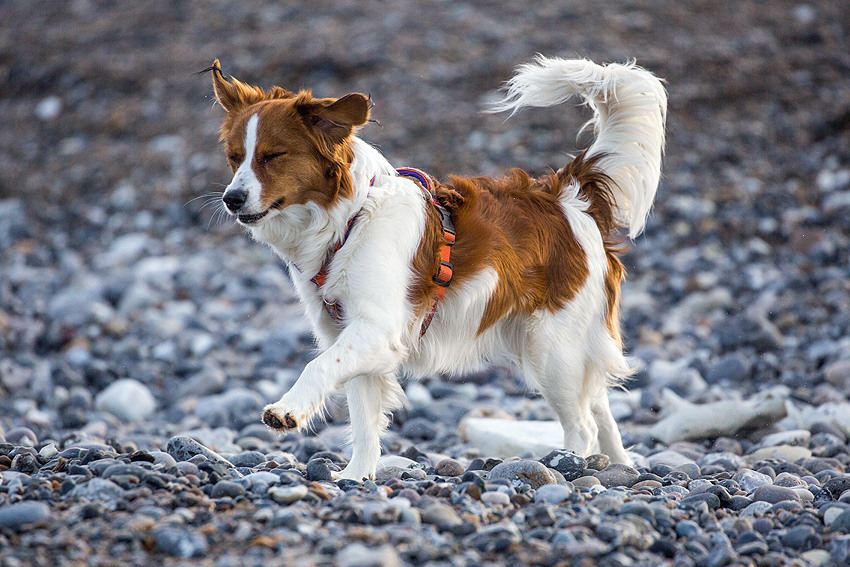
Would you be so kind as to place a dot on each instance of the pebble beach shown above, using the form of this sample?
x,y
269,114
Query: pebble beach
x,y
142,332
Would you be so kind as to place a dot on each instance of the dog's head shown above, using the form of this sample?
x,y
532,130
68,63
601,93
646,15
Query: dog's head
x,y
285,148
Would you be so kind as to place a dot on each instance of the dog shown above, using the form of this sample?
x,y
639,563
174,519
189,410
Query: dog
x,y
399,273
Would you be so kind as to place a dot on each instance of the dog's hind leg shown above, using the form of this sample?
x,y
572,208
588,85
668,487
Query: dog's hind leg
x,y
370,401
558,371
610,442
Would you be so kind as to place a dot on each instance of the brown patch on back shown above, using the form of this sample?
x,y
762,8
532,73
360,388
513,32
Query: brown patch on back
x,y
516,225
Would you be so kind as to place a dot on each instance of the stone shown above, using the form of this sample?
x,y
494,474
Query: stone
x,y
798,437
617,474
773,494
495,538
183,448
693,422
288,494
730,368
587,481
126,399
358,555
788,453
507,438
668,457
318,470
533,473
449,467
749,479
690,469
569,464
441,515
726,461
553,493
498,497
598,462
227,488
97,489
22,515
178,541
838,373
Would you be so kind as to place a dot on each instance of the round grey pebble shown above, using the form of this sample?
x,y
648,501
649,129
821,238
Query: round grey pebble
x,y
23,514
567,463
225,488
533,473
617,474
449,467
248,459
178,541
773,494
318,470
553,493
749,479
690,469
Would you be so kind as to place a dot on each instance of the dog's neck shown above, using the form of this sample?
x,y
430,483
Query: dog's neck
x,y
302,235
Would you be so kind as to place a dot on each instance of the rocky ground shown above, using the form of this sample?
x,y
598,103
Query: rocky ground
x,y
140,333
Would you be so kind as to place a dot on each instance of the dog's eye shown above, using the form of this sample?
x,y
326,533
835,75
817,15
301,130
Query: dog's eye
x,y
269,157
233,159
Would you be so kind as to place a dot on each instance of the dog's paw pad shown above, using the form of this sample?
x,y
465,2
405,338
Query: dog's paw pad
x,y
272,420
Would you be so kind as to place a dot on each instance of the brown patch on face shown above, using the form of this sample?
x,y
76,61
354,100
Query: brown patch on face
x,y
516,225
302,152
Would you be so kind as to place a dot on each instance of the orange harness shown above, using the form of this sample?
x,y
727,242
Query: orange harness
x,y
442,278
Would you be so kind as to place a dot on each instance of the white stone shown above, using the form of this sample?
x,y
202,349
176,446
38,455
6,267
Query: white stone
x,y
395,461
690,422
788,453
288,494
495,498
793,437
49,108
126,399
831,514
358,555
508,438
668,457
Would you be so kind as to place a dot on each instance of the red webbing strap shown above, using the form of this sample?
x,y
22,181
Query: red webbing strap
x,y
443,277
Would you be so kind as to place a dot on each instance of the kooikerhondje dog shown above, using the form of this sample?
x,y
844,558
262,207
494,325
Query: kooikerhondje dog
x,y
399,273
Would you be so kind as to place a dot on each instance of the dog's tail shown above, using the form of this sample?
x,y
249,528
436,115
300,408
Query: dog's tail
x,y
630,109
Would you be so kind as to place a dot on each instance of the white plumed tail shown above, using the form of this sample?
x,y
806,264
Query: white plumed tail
x,y
630,109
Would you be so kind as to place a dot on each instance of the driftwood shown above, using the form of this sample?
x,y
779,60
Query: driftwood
x,y
690,422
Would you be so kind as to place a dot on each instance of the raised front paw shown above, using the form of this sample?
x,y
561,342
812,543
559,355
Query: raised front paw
x,y
282,421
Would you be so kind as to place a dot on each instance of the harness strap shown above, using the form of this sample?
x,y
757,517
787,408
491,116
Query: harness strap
x,y
442,278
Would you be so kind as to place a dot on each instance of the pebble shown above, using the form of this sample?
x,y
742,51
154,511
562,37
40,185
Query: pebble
x,y
22,515
288,494
179,541
126,399
773,494
617,474
533,473
553,493
749,479
498,498
570,465
449,467
359,555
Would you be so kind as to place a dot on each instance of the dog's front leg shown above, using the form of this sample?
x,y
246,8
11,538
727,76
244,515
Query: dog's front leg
x,y
361,349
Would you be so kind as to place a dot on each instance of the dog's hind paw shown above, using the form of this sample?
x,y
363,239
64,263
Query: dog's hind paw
x,y
282,423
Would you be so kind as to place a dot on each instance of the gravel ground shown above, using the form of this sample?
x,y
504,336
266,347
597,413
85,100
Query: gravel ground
x,y
141,333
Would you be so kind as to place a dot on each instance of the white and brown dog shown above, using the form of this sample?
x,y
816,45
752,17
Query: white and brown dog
x,y
400,274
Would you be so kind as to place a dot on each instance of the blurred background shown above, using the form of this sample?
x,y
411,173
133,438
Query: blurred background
x,y
114,263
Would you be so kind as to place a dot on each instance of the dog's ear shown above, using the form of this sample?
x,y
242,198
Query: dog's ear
x,y
338,119
234,95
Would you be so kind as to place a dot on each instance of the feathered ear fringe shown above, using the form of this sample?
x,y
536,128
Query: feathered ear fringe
x,y
234,95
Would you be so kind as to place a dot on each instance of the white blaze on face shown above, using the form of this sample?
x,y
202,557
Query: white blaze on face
x,y
245,178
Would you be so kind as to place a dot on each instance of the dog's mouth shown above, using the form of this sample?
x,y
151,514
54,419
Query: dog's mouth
x,y
249,219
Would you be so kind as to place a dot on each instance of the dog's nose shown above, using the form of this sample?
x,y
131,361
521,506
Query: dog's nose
x,y
235,199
